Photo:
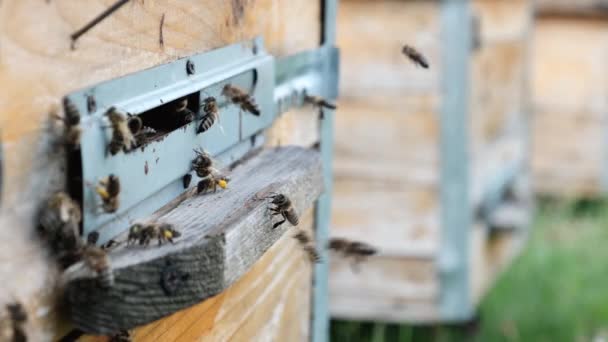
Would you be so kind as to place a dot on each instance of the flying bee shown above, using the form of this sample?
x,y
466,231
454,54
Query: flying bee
x,y
239,97
416,57
312,253
306,242
302,237
319,103
14,325
71,122
59,222
359,251
283,207
142,234
211,111
108,190
210,176
97,260
124,131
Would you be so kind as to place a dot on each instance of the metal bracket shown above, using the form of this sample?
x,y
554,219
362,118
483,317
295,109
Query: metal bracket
x,y
151,176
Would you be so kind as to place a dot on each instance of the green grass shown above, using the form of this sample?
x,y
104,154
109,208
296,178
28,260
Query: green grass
x,y
557,290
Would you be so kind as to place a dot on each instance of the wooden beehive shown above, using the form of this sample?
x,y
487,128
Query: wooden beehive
x,y
569,90
395,132
272,301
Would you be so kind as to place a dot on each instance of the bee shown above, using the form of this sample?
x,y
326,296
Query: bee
x,y
211,111
359,251
183,114
239,97
108,190
124,131
142,234
306,242
210,177
59,222
17,317
283,207
122,336
302,237
416,57
319,103
97,260
71,122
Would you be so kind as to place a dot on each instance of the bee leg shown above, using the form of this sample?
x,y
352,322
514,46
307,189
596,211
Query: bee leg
x,y
278,224
160,241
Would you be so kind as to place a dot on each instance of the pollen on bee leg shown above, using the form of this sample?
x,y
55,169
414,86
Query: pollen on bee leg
x,y
102,192
222,183
168,234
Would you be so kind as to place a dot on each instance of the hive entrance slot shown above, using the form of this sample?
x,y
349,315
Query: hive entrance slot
x,y
164,119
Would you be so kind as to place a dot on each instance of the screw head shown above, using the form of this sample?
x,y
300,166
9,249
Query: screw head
x,y
190,68
91,104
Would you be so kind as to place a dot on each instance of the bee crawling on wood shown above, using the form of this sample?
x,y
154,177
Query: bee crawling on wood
x,y
124,131
211,111
359,251
306,242
108,189
13,325
239,97
142,234
122,336
319,103
97,260
210,176
71,124
59,222
283,207
416,57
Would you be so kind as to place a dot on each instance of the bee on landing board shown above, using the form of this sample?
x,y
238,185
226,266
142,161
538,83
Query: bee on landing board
x,y
124,131
211,111
108,189
239,97
97,260
13,322
211,178
283,207
142,234
416,57
308,246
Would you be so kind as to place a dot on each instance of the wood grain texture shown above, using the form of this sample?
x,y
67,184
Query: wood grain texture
x,y
586,8
223,235
569,144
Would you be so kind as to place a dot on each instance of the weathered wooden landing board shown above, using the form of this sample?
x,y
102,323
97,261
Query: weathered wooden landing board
x,y
223,235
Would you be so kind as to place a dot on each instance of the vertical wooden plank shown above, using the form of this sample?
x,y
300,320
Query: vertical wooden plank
x,y
455,212
320,318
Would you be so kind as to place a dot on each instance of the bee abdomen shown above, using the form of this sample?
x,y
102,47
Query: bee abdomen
x,y
292,217
249,105
206,123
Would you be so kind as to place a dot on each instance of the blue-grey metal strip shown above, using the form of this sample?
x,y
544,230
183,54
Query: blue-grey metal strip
x,y
320,309
497,186
455,300
306,72
146,173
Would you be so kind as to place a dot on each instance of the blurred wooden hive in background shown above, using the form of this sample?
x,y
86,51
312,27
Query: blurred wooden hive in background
x,y
570,151
388,179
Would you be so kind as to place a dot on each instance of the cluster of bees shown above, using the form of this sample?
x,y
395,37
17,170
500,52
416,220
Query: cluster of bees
x,y
61,216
